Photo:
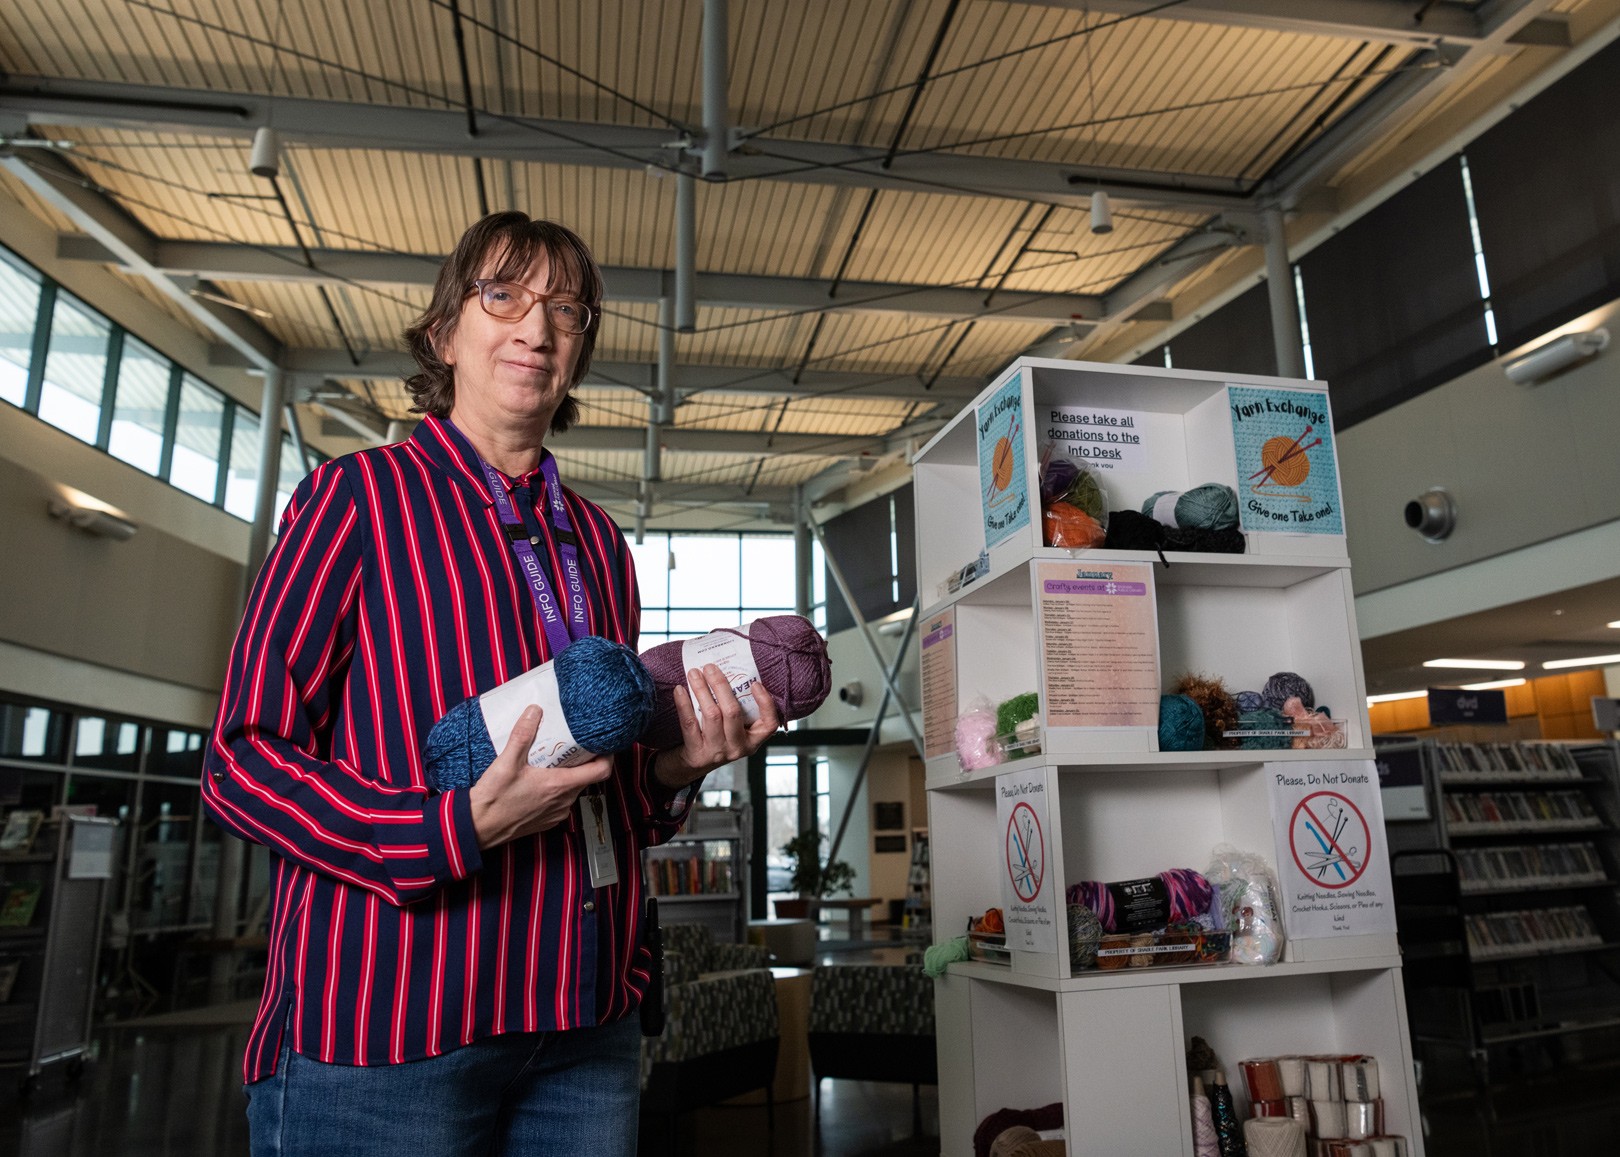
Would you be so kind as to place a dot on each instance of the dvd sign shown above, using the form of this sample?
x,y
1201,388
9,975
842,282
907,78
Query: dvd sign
x,y
1449,705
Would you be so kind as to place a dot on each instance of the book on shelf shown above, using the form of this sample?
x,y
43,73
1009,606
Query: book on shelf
x,y
17,909
22,825
692,876
1531,930
1529,759
1549,865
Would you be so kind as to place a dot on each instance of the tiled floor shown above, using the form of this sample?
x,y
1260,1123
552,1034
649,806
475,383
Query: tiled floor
x,y
175,1092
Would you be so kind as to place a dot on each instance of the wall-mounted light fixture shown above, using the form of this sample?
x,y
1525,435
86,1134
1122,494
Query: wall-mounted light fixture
x,y
1541,363
91,520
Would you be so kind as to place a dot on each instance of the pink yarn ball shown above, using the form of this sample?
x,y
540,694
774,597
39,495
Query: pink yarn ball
x,y
976,744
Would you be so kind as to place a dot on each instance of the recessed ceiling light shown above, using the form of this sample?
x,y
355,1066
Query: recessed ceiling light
x,y
1497,685
1478,664
1615,624
1396,697
1589,661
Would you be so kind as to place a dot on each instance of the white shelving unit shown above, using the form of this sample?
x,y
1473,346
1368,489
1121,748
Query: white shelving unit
x,y
1110,1044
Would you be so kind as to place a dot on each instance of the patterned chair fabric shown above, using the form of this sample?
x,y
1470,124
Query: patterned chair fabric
x,y
892,999
690,951
712,1015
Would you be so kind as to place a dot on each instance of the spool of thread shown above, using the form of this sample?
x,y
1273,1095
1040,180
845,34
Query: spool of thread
x,y
1274,1137
1299,1108
1327,1118
1387,1146
1359,1079
1286,685
1171,897
1207,507
1363,1119
1205,1142
1322,1079
1293,1075
1181,724
606,695
1268,1109
1263,1079
793,666
1228,1130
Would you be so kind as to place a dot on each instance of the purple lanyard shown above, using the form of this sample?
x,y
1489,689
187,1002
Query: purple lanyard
x,y
560,630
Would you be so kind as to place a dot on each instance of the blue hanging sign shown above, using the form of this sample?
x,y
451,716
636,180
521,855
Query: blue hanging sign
x,y
1003,475
1287,478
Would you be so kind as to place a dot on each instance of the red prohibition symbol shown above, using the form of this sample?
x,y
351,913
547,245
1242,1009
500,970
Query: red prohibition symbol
x,y
1330,840
1026,852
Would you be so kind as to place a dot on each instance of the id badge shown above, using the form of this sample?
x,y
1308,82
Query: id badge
x,y
598,840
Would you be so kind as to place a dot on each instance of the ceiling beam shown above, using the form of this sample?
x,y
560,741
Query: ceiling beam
x,y
1380,21
62,187
225,261
351,125
690,380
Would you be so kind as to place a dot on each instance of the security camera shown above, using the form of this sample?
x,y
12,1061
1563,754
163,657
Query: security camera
x,y
1433,514
850,693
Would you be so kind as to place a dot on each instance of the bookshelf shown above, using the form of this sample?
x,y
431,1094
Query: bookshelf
x,y
1109,1045
700,876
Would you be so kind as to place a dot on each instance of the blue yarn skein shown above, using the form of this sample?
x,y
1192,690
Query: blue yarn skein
x,y
1286,685
1211,506
607,699
1181,724
1249,700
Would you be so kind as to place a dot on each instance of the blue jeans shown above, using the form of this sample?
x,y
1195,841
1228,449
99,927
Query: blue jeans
x,y
519,1094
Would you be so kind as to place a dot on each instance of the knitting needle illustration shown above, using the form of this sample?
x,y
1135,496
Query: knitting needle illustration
x,y
1327,859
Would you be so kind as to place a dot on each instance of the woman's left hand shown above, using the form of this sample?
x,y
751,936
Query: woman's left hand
x,y
726,734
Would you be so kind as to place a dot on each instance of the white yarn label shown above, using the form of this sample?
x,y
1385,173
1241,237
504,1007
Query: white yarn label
x,y
1164,508
554,745
731,651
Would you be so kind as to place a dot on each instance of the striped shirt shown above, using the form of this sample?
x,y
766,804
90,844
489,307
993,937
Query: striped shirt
x,y
391,596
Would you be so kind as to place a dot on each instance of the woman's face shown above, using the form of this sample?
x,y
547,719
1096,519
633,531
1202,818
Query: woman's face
x,y
511,375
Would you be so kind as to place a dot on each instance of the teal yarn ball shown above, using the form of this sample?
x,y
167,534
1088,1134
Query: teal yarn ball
x,y
1181,724
606,696
1207,507
1264,719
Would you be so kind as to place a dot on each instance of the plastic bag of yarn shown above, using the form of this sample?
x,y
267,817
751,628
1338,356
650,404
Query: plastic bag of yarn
x,y
1211,506
976,742
1067,526
1065,480
783,652
1248,899
596,697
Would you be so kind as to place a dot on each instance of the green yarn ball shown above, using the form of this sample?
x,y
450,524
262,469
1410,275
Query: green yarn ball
x,y
1264,719
1015,710
1207,507
1087,495
1181,724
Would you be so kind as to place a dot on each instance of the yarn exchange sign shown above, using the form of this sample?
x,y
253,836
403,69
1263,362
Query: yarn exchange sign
x,y
1287,477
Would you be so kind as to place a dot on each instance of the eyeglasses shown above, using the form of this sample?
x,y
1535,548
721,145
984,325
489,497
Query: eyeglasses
x,y
512,302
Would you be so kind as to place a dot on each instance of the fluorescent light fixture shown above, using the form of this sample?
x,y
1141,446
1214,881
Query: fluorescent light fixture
x,y
1496,686
1547,359
1589,661
1396,697
92,520
1478,664
1615,624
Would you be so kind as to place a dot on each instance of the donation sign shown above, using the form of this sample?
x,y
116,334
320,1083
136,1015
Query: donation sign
x,y
1031,900
1098,438
1332,862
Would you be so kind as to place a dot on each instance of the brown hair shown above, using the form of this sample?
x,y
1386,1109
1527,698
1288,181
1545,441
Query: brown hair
x,y
519,240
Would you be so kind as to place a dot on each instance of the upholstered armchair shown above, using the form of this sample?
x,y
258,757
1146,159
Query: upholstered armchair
x,y
873,1022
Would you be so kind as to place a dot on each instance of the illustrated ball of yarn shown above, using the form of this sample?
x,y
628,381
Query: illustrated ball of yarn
x,y
793,666
1181,724
1001,464
1286,685
976,744
1208,507
1249,700
1264,719
1282,456
1219,708
1085,934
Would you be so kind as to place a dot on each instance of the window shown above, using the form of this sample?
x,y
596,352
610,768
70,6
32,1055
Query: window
x,y
140,402
692,583
242,479
75,369
782,815
19,314
195,468
291,474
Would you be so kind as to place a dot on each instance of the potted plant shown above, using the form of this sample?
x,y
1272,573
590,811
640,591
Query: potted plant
x,y
812,879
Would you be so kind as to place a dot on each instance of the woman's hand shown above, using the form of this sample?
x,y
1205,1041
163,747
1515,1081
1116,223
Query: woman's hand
x,y
727,735
512,799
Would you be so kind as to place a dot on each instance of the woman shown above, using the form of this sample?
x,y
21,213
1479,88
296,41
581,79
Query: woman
x,y
457,972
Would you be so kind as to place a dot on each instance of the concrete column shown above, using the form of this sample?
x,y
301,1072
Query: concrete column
x,y
1284,305
685,252
716,114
